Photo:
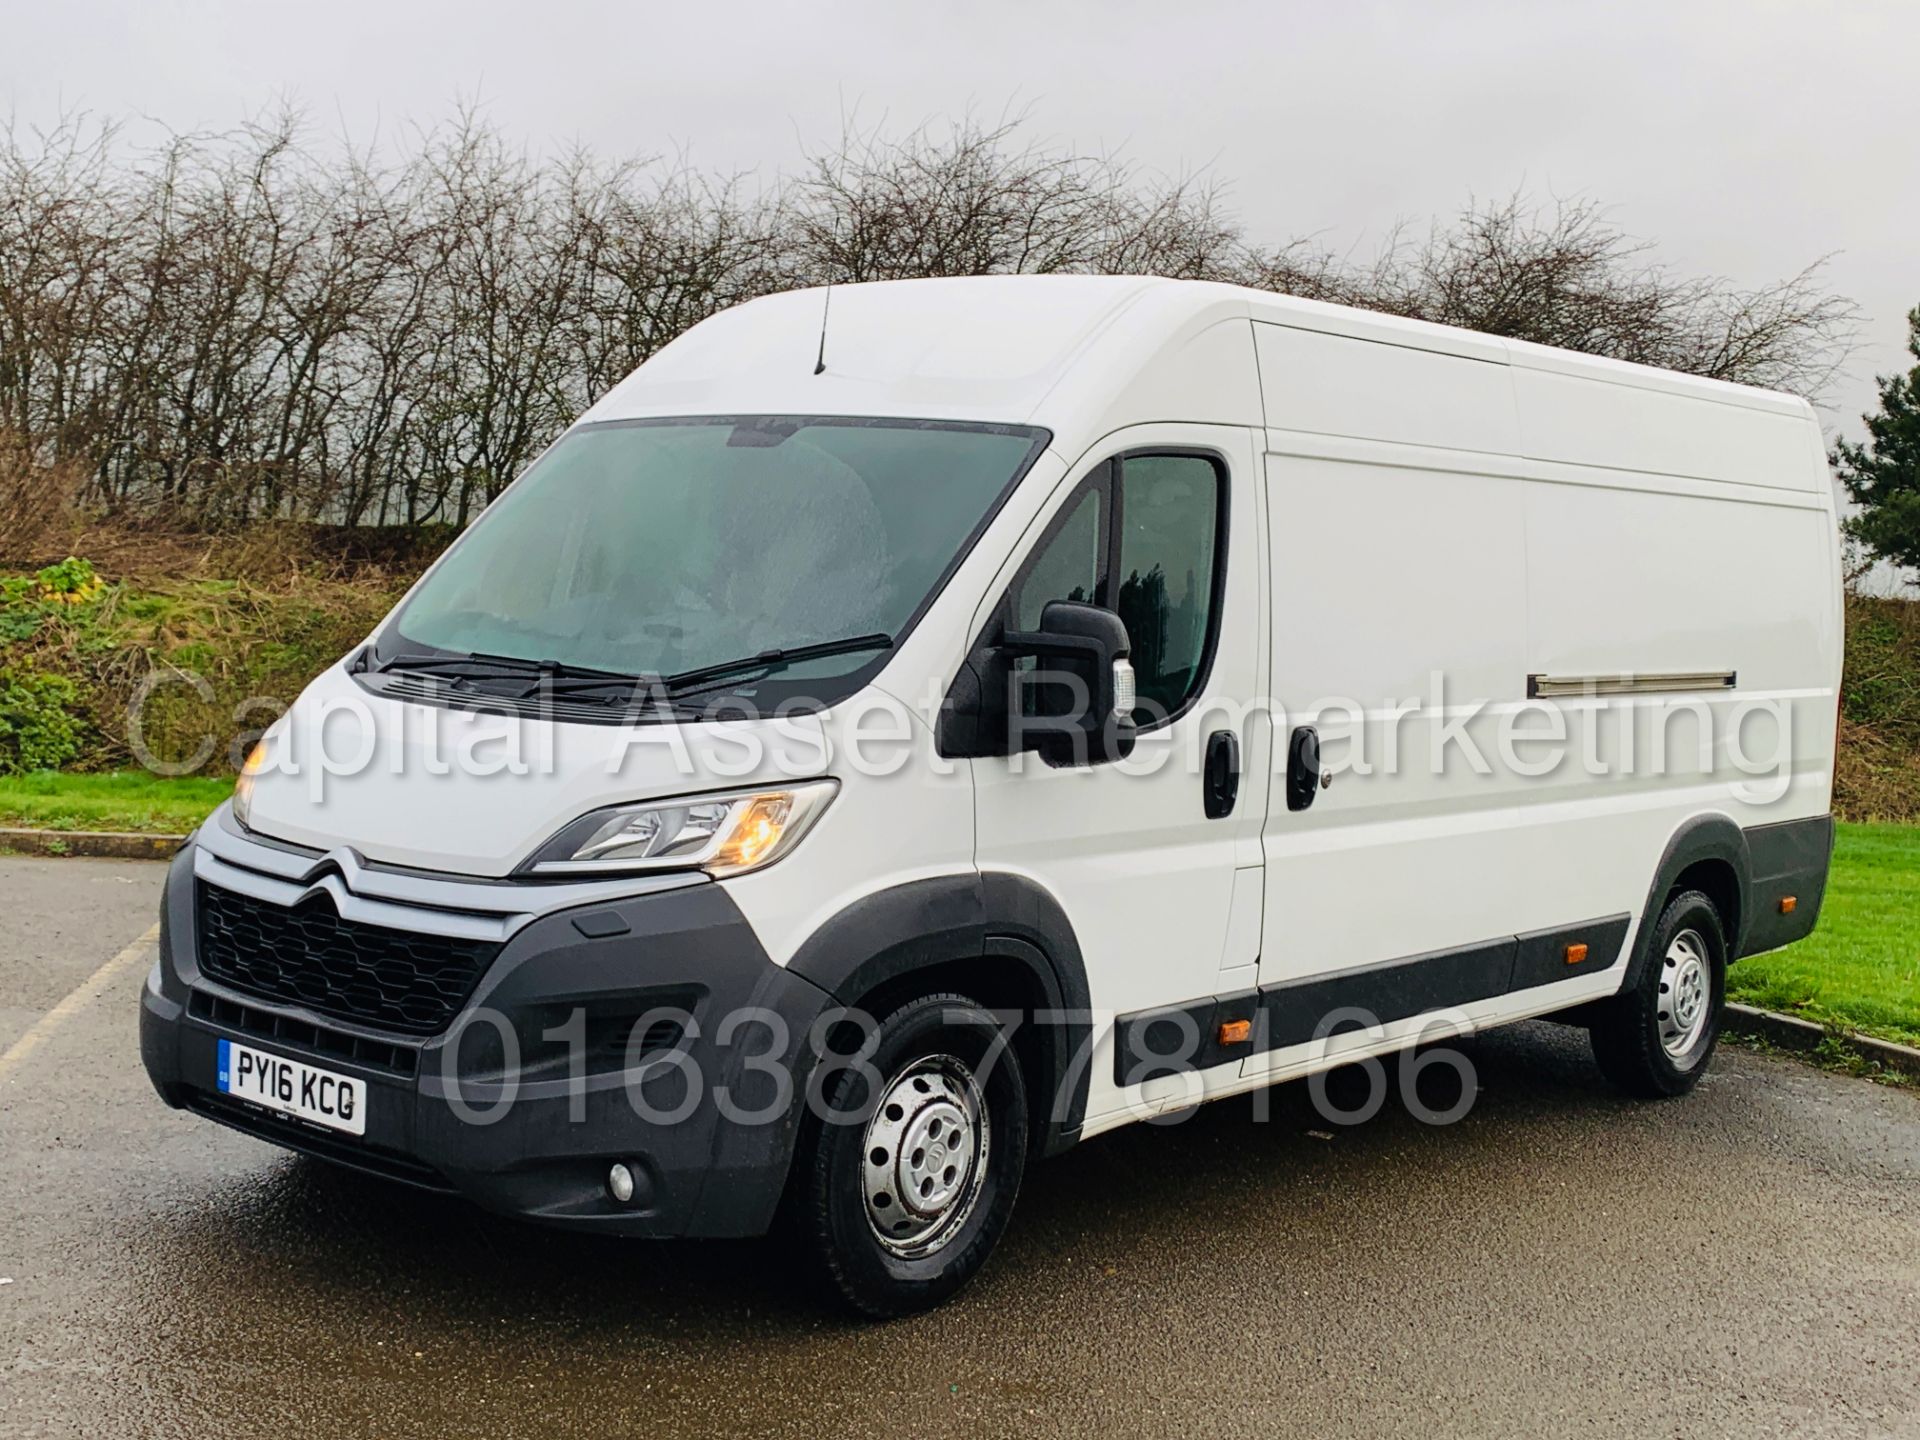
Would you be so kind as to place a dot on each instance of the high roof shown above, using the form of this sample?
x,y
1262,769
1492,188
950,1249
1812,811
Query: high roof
x,y
1063,351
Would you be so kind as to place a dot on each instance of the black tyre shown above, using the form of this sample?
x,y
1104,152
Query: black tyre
x,y
900,1202
1655,1040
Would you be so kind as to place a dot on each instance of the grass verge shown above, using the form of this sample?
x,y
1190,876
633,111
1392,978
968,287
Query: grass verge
x,y
118,800
1860,970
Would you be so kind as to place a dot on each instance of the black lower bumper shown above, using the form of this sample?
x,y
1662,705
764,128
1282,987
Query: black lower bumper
x,y
658,1034
1786,883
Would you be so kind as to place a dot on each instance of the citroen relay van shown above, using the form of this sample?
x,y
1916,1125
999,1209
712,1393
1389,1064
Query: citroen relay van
x,y
903,731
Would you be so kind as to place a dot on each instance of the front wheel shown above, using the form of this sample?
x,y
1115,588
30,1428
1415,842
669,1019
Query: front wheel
x,y
909,1181
1655,1040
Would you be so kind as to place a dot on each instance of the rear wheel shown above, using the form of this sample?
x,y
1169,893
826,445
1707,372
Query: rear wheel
x,y
1656,1039
909,1183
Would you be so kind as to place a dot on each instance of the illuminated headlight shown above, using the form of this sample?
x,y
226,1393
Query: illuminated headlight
x,y
722,834
243,787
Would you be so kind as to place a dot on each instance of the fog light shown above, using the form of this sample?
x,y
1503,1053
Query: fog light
x,y
620,1183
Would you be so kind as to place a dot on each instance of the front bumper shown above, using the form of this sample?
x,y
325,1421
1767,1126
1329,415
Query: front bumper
x,y
706,1121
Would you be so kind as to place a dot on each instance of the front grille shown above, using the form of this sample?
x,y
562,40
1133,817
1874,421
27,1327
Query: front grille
x,y
307,955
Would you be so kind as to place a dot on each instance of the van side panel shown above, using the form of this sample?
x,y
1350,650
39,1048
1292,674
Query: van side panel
x,y
1615,529
1392,649
1398,592
1627,580
1589,421
1385,574
1624,581
1337,385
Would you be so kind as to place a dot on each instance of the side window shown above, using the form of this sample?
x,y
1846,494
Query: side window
x,y
1142,538
1067,564
1169,515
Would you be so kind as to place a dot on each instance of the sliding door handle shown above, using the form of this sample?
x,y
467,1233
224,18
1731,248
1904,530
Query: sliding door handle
x,y
1303,767
1220,776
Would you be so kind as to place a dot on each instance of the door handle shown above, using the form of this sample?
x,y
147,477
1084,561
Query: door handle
x,y
1303,767
1220,776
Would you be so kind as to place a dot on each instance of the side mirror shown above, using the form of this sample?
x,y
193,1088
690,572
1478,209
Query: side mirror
x,y
1076,705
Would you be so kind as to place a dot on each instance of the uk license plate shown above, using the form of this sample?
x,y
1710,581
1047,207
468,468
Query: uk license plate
x,y
290,1087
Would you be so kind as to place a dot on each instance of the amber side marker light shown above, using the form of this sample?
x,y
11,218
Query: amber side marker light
x,y
1789,903
1576,953
1236,1032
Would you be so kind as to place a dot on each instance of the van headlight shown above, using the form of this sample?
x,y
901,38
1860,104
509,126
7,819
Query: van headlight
x,y
257,760
727,833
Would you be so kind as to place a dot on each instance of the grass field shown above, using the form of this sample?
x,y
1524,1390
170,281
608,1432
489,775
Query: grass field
x,y
1859,970
119,800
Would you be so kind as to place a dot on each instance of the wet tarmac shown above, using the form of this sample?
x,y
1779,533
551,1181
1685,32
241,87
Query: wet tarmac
x,y
1743,1262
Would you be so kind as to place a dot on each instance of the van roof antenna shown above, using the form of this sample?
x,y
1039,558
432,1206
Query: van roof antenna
x,y
820,360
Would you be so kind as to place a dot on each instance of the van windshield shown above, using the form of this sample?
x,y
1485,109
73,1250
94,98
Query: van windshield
x,y
662,547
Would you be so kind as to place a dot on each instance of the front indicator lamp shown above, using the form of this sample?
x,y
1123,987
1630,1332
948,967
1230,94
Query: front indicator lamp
x,y
723,834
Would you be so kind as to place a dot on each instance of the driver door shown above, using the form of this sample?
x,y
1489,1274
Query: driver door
x,y
1164,896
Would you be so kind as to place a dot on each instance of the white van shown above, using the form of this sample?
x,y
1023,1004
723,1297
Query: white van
x,y
900,732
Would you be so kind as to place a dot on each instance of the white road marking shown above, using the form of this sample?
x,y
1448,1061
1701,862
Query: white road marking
x,y
82,995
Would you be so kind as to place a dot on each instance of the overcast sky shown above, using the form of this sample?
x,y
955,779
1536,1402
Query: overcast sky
x,y
1748,137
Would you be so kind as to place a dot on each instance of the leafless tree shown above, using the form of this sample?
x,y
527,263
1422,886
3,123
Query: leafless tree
x,y
1563,274
981,200
251,325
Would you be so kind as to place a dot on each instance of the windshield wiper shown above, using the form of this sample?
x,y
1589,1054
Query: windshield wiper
x,y
554,677
542,677
686,682
488,666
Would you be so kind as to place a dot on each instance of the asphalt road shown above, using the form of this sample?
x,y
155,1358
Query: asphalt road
x,y
1743,1262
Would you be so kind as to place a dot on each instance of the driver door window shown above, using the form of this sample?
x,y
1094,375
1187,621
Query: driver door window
x,y
1142,538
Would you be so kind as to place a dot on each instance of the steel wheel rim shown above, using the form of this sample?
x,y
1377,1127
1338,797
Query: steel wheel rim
x,y
1686,994
924,1156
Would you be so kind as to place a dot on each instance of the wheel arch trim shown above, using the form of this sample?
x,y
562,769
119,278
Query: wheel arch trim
x,y
1712,838
890,935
